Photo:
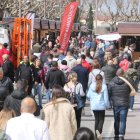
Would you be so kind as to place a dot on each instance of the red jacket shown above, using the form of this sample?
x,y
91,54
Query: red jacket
x,y
124,65
86,65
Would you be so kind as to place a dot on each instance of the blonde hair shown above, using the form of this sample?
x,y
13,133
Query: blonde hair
x,y
5,115
72,75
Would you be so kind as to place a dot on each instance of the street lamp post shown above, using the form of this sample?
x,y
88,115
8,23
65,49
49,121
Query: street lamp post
x,y
44,9
19,8
96,14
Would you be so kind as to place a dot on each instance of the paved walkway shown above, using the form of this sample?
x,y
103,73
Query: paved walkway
x,y
133,122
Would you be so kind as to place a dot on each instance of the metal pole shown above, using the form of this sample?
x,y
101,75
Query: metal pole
x,y
60,9
44,9
19,8
96,14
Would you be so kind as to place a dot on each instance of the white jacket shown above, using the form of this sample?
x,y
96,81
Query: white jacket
x,y
27,127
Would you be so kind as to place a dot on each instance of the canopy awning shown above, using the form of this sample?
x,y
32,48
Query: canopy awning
x,y
109,37
129,28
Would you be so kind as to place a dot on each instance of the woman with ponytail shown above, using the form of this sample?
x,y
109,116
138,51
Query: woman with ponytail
x,y
99,102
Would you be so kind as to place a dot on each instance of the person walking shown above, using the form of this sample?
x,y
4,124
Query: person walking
x,y
13,100
70,59
82,74
26,71
96,70
39,81
73,88
109,71
60,116
27,126
119,93
53,77
99,102
6,87
8,67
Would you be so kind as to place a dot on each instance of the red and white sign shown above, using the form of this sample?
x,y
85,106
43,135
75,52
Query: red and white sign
x,y
67,23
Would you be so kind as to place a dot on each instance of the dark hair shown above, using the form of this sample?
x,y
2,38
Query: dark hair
x,y
22,84
57,92
50,56
64,62
88,53
54,64
96,64
33,58
99,80
83,56
5,45
84,133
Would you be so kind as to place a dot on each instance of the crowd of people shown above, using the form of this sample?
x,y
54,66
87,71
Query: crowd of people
x,y
90,70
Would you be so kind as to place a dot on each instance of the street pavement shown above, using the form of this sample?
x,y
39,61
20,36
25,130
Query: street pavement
x,y
132,127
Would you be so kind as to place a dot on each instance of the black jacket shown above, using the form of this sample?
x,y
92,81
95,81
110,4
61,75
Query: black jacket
x,y
119,92
82,75
6,87
26,72
8,69
13,101
55,77
109,72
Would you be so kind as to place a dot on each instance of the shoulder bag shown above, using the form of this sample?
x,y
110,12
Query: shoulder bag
x,y
133,91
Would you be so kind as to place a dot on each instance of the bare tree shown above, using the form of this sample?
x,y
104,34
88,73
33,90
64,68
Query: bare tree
x,y
119,10
54,8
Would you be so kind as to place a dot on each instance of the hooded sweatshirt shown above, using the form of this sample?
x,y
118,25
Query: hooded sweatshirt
x,y
70,61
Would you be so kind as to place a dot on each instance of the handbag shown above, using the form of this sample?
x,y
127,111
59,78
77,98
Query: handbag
x,y
75,98
79,100
133,91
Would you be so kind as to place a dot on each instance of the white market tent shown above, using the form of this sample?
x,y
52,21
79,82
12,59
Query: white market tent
x,y
109,37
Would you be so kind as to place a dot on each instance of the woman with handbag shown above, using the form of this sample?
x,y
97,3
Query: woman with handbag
x,y
99,102
75,93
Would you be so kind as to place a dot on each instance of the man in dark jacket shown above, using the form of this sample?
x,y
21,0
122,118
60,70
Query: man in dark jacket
x,y
6,87
54,77
82,74
8,67
119,93
109,71
26,71
13,101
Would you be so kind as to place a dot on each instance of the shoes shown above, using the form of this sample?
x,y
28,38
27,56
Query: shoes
x,y
40,107
92,113
99,136
130,110
121,138
116,137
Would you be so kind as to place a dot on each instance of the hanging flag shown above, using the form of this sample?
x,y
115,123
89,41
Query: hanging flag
x,y
31,16
67,23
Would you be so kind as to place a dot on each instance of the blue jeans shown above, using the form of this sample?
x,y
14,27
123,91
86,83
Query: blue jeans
x,y
131,102
37,90
48,95
120,118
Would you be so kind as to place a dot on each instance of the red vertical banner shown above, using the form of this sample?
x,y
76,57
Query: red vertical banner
x,y
67,23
